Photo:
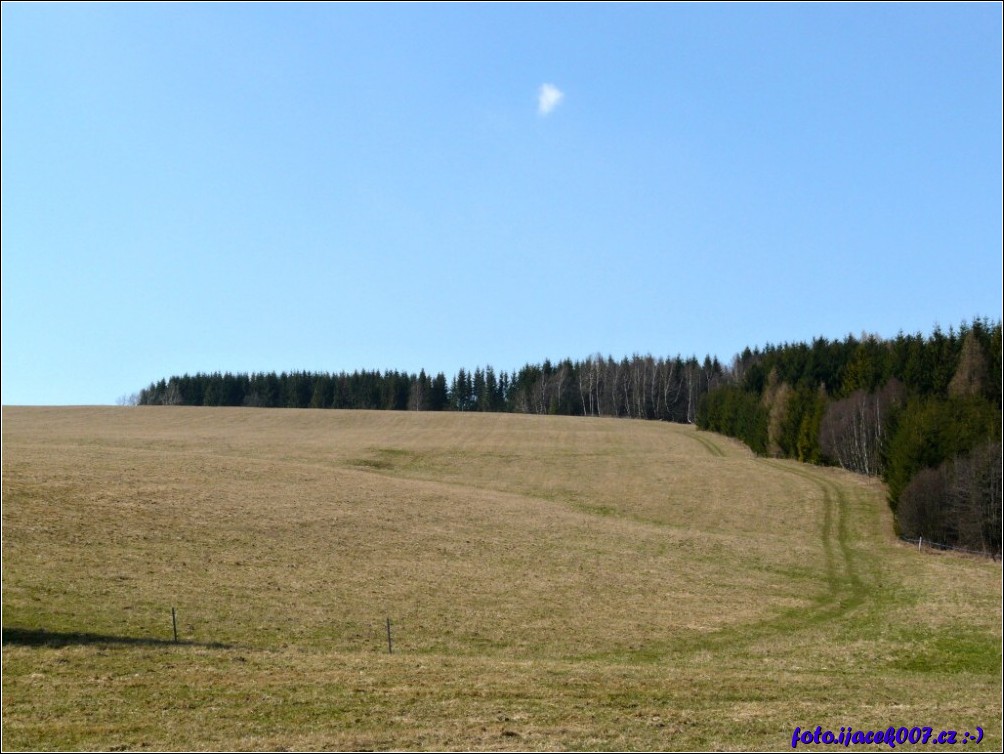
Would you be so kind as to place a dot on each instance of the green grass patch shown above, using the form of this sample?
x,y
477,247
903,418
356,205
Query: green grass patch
x,y
950,650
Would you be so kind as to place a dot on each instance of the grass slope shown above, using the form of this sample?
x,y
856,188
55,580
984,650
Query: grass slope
x,y
552,582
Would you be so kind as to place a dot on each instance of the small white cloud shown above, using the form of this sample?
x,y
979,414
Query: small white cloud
x,y
548,98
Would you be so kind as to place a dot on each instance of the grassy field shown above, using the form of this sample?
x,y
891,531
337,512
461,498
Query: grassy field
x,y
551,582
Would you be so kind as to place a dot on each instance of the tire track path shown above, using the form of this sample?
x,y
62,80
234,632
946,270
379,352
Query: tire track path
x,y
710,446
846,575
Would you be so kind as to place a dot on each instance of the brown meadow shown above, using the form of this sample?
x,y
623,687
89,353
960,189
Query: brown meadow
x,y
551,582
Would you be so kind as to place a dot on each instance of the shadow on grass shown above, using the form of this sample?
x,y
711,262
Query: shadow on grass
x,y
39,637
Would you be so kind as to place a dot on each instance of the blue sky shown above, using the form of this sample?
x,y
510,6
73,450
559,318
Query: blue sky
x,y
337,187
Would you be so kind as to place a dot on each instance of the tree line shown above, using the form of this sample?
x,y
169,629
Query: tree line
x,y
641,387
922,413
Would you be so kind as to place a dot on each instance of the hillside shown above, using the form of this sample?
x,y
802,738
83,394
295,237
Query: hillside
x,y
551,582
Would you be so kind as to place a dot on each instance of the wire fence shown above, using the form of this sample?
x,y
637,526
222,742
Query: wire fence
x,y
922,543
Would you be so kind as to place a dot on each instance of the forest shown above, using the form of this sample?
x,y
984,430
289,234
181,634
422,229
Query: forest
x,y
640,387
923,413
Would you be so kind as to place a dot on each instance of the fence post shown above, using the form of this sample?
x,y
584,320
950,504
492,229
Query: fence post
x,y
390,647
920,543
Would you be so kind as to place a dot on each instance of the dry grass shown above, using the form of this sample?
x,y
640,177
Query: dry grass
x,y
553,583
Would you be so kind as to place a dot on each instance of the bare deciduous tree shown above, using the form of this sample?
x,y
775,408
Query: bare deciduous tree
x,y
853,428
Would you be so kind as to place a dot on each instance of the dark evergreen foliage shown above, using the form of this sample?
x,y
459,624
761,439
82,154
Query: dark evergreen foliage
x,y
641,387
